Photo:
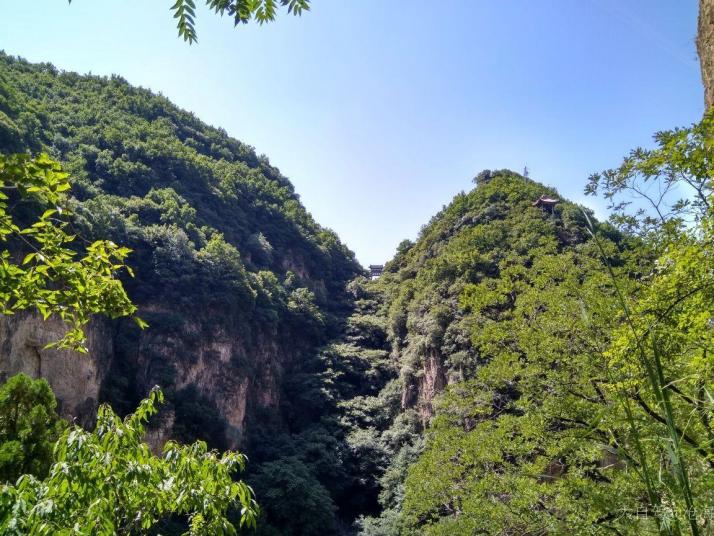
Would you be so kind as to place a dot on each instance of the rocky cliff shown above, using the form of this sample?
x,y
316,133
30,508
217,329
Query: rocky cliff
x,y
239,284
75,379
705,48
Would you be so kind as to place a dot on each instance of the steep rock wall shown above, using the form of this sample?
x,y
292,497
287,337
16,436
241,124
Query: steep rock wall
x,y
75,378
212,371
419,391
705,47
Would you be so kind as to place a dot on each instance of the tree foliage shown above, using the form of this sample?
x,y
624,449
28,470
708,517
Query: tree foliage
x,y
590,410
50,278
29,427
241,11
109,482
657,189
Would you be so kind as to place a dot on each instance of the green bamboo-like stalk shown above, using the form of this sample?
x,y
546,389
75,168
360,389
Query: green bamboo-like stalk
x,y
657,383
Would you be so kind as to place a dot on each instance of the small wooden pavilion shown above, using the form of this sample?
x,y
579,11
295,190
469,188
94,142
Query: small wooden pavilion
x,y
375,270
546,203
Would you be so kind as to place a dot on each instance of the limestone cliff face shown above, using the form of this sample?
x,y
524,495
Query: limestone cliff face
x,y
431,383
419,390
212,369
75,378
705,47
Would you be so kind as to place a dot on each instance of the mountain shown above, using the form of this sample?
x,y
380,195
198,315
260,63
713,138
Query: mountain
x,y
239,284
483,315
360,403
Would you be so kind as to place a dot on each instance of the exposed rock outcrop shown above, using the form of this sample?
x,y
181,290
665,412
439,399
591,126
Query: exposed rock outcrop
x,y
430,384
232,376
705,48
75,378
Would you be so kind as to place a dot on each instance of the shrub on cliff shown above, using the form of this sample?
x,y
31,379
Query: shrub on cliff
x,y
29,427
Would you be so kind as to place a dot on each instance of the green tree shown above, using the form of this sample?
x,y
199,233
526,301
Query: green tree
x,y
593,403
29,427
50,278
108,482
655,192
241,11
294,500
662,354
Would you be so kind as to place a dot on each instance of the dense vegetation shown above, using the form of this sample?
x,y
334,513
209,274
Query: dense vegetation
x,y
519,369
221,248
30,427
489,250
575,356
107,481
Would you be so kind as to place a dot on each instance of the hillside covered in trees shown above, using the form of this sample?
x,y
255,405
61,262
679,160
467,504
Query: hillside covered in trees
x,y
520,368
239,285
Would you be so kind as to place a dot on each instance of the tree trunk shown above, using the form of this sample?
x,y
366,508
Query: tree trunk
x,y
705,47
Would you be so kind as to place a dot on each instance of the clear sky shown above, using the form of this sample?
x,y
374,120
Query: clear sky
x,y
380,111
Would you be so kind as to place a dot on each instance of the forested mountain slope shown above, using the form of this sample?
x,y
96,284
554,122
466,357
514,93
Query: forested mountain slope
x,y
490,305
486,383
481,236
239,285
553,372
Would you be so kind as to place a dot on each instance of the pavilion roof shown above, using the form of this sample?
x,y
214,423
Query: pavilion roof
x,y
545,200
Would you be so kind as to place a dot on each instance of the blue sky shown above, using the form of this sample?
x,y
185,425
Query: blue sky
x,y
379,111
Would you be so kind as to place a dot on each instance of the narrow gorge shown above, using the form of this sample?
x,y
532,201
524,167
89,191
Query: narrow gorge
x,y
488,381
